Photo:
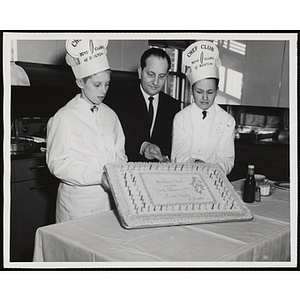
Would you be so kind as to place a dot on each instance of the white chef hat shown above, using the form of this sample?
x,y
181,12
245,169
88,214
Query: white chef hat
x,y
86,57
203,61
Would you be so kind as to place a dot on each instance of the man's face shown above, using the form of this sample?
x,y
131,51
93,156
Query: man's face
x,y
205,92
95,88
154,74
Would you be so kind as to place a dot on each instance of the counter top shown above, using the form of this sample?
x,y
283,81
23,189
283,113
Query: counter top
x,y
279,142
26,154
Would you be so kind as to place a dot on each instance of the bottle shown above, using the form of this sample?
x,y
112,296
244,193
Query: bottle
x,y
257,194
249,186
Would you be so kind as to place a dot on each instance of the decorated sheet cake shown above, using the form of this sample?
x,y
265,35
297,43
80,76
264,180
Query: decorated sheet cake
x,y
164,194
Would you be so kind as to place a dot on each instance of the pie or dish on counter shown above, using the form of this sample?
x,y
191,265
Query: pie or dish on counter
x,y
164,194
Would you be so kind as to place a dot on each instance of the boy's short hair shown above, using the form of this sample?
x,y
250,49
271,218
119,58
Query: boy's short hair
x,y
215,79
85,79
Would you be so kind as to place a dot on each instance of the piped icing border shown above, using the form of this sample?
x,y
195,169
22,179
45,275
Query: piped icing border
x,y
136,208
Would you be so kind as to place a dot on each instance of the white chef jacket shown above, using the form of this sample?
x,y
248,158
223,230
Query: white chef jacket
x,y
210,139
79,144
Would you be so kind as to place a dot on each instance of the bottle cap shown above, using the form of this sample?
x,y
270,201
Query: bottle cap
x,y
250,167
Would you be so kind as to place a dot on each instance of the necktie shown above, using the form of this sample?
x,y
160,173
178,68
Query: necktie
x,y
94,109
150,110
204,113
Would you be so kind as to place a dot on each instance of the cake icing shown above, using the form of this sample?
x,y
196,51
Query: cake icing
x,y
163,194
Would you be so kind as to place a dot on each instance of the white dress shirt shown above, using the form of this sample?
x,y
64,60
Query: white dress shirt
x,y
155,105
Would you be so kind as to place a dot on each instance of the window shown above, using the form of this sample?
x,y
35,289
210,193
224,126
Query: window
x,y
232,54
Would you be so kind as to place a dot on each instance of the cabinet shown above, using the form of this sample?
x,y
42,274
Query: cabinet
x,y
33,201
263,73
269,159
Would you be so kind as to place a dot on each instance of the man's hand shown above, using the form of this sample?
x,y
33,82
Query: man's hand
x,y
152,151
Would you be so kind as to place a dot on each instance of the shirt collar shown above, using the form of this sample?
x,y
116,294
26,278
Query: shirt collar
x,y
210,111
146,96
87,105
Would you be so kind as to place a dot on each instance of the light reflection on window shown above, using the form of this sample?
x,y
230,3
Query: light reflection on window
x,y
222,78
235,46
231,79
234,83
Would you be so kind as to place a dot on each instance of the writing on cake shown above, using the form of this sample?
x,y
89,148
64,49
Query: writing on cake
x,y
169,188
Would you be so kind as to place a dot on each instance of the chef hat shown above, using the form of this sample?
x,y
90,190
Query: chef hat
x,y
202,60
86,57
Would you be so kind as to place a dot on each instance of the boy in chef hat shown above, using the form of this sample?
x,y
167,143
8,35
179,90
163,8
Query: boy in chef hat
x,y
84,135
203,132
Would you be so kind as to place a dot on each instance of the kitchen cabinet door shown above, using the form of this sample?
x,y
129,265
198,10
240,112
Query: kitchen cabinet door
x,y
262,77
33,206
28,169
276,171
33,201
270,160
276,162
279,154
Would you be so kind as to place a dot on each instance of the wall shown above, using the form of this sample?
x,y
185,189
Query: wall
x,y
254,73
41,51
123,55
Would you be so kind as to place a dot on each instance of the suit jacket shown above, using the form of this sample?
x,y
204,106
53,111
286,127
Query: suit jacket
x,y
132,111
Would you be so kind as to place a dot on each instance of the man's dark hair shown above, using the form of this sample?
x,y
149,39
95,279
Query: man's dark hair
x,y
154,52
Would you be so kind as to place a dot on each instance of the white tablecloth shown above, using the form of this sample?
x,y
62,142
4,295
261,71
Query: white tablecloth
x,y
100,238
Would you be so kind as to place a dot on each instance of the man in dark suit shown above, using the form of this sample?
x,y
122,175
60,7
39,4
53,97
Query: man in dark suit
x,y
146,113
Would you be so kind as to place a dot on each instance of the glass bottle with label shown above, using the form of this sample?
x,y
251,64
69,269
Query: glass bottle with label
x,y
249,186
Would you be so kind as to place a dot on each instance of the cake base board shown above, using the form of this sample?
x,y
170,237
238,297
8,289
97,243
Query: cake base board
x,y
168,194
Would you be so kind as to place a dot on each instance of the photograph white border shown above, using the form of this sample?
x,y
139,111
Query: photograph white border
x,y
8,37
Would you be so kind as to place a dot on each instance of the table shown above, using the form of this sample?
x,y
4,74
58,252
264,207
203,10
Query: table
x,y
100,238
